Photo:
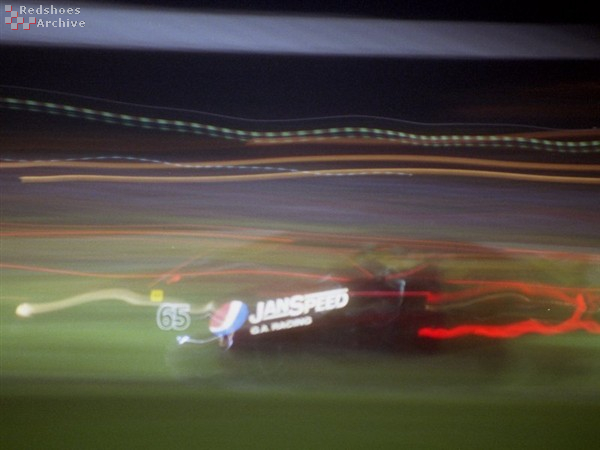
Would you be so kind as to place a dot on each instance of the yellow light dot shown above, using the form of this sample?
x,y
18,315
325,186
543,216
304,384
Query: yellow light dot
x,y
157,295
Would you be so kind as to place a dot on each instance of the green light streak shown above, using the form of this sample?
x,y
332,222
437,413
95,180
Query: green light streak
x,y
290,136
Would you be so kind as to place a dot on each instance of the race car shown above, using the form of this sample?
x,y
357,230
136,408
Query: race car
x,y
379,313
414,310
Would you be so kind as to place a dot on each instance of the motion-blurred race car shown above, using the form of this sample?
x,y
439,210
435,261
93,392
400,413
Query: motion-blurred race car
x,y
383,313
410,310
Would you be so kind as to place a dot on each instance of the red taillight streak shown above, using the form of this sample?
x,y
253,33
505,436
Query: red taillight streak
x,y
574,323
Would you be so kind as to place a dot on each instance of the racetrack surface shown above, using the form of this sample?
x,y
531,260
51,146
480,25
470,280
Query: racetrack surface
x,y
88,365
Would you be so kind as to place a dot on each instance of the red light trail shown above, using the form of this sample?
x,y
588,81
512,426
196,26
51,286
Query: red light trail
x,y
530,326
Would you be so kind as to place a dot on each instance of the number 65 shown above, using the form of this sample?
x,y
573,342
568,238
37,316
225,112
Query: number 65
x,y
173,316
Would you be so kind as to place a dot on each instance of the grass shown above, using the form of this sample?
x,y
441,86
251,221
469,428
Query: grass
x,y
174,416
102,375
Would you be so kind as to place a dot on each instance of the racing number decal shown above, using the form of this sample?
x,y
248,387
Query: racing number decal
x,y
173,316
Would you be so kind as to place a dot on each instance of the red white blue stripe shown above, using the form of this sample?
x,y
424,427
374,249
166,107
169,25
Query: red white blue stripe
x,y
228,318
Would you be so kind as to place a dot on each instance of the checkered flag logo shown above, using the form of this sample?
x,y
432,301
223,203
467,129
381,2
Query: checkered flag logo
x,y
14,20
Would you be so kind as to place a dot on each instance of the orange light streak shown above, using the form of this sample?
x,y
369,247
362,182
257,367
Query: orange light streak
x,y
310,173
163,165
47,233
208,273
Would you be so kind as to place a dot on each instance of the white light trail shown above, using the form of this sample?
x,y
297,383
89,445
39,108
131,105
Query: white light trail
x,y
168,29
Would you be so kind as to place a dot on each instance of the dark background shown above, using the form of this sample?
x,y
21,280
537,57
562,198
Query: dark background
x,y
562,94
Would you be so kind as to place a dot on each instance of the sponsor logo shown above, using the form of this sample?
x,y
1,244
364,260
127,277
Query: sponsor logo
x,y
276,314
228,318
298,305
